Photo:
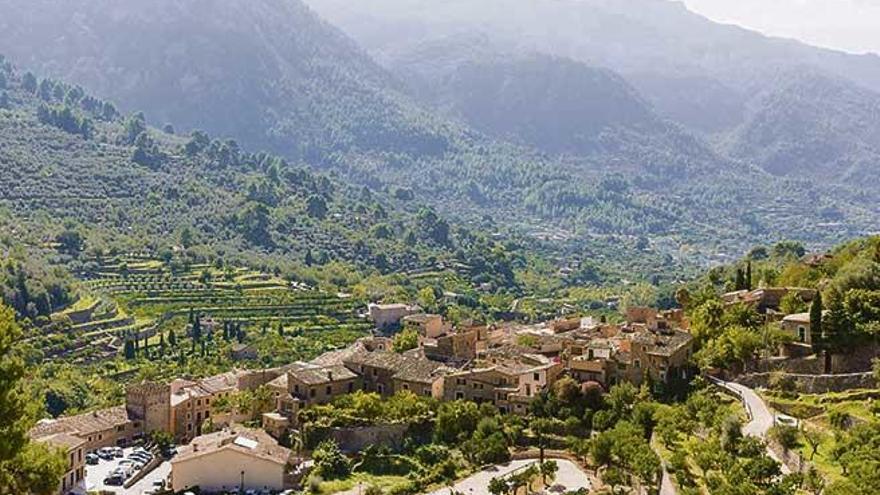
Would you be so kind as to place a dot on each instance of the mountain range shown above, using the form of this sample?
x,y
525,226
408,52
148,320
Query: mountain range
x,y
562,119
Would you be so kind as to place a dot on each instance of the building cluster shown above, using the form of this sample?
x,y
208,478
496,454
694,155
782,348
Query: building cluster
x,y
768,302
506,365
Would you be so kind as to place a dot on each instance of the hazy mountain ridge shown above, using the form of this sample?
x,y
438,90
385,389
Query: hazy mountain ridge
x,y
699,73
812,124
270,73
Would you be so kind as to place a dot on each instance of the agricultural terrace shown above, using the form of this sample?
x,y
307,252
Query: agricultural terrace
x,y
134,319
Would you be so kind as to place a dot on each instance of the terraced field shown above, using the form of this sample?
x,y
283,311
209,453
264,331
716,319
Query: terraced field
x,y
142,300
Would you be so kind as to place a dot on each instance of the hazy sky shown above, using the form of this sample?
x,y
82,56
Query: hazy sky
x,y
851,25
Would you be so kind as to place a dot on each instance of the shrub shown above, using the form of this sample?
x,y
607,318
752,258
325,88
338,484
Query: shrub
x,y
330,462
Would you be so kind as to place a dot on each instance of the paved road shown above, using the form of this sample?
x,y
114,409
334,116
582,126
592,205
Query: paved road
x,y
569,476
666,486
761,417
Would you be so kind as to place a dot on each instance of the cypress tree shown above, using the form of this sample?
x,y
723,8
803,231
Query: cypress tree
x,y
816,330
129,349
172,338
197,329
749,275
739,282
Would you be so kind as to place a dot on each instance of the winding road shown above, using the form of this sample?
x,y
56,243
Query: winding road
x,y
761,417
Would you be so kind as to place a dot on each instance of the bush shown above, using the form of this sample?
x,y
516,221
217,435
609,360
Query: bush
x,y
330,462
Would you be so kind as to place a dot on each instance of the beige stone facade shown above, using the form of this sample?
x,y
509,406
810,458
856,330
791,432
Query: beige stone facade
x,y
74,477
233,458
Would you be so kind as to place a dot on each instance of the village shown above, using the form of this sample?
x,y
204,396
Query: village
x,y
507,365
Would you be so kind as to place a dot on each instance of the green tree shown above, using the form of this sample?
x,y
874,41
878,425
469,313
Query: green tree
x,y
330,462
25,466
497,486
405,340
316,207
548,471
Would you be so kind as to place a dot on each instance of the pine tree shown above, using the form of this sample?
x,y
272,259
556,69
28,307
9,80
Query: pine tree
x,y
25,467
13,424
310,260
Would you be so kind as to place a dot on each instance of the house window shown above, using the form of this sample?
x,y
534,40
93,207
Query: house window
x,y
375,372
802,334
459,395
426,392
405,386
350,387
537,377
296,389
329,390
637,364
380,388
312,392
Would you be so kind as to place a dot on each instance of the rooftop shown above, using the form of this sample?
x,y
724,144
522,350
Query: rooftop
x,y
405,367
63,440
82,424
322,375
248,441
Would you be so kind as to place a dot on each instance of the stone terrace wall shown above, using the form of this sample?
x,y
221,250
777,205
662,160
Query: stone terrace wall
x,y
358,438
814,384
857,361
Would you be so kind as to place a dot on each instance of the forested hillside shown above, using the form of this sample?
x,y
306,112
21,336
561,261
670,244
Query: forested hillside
x,y
587,164
78,175
808,124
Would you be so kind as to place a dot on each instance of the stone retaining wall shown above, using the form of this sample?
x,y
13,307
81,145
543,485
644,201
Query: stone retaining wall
x,y
814,384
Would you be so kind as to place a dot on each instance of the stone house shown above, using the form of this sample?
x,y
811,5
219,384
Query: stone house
x,y
108,427
74,477
235,458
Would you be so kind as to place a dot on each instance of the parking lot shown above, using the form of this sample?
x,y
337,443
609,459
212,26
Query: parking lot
x,y
95,474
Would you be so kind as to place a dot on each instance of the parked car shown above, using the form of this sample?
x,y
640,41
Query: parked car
x,y
144,458
106,453
115,478
92,459
118,453
129,466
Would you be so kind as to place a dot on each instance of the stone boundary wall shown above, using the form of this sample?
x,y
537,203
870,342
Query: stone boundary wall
x,y
355,439
858,360
814,384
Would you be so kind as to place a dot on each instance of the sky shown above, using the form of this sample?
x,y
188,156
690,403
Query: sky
x,y
849,25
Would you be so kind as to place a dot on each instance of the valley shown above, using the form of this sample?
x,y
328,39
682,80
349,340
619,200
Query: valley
x,y
398,247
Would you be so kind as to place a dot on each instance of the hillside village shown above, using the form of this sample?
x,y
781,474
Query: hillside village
x,y
507,365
